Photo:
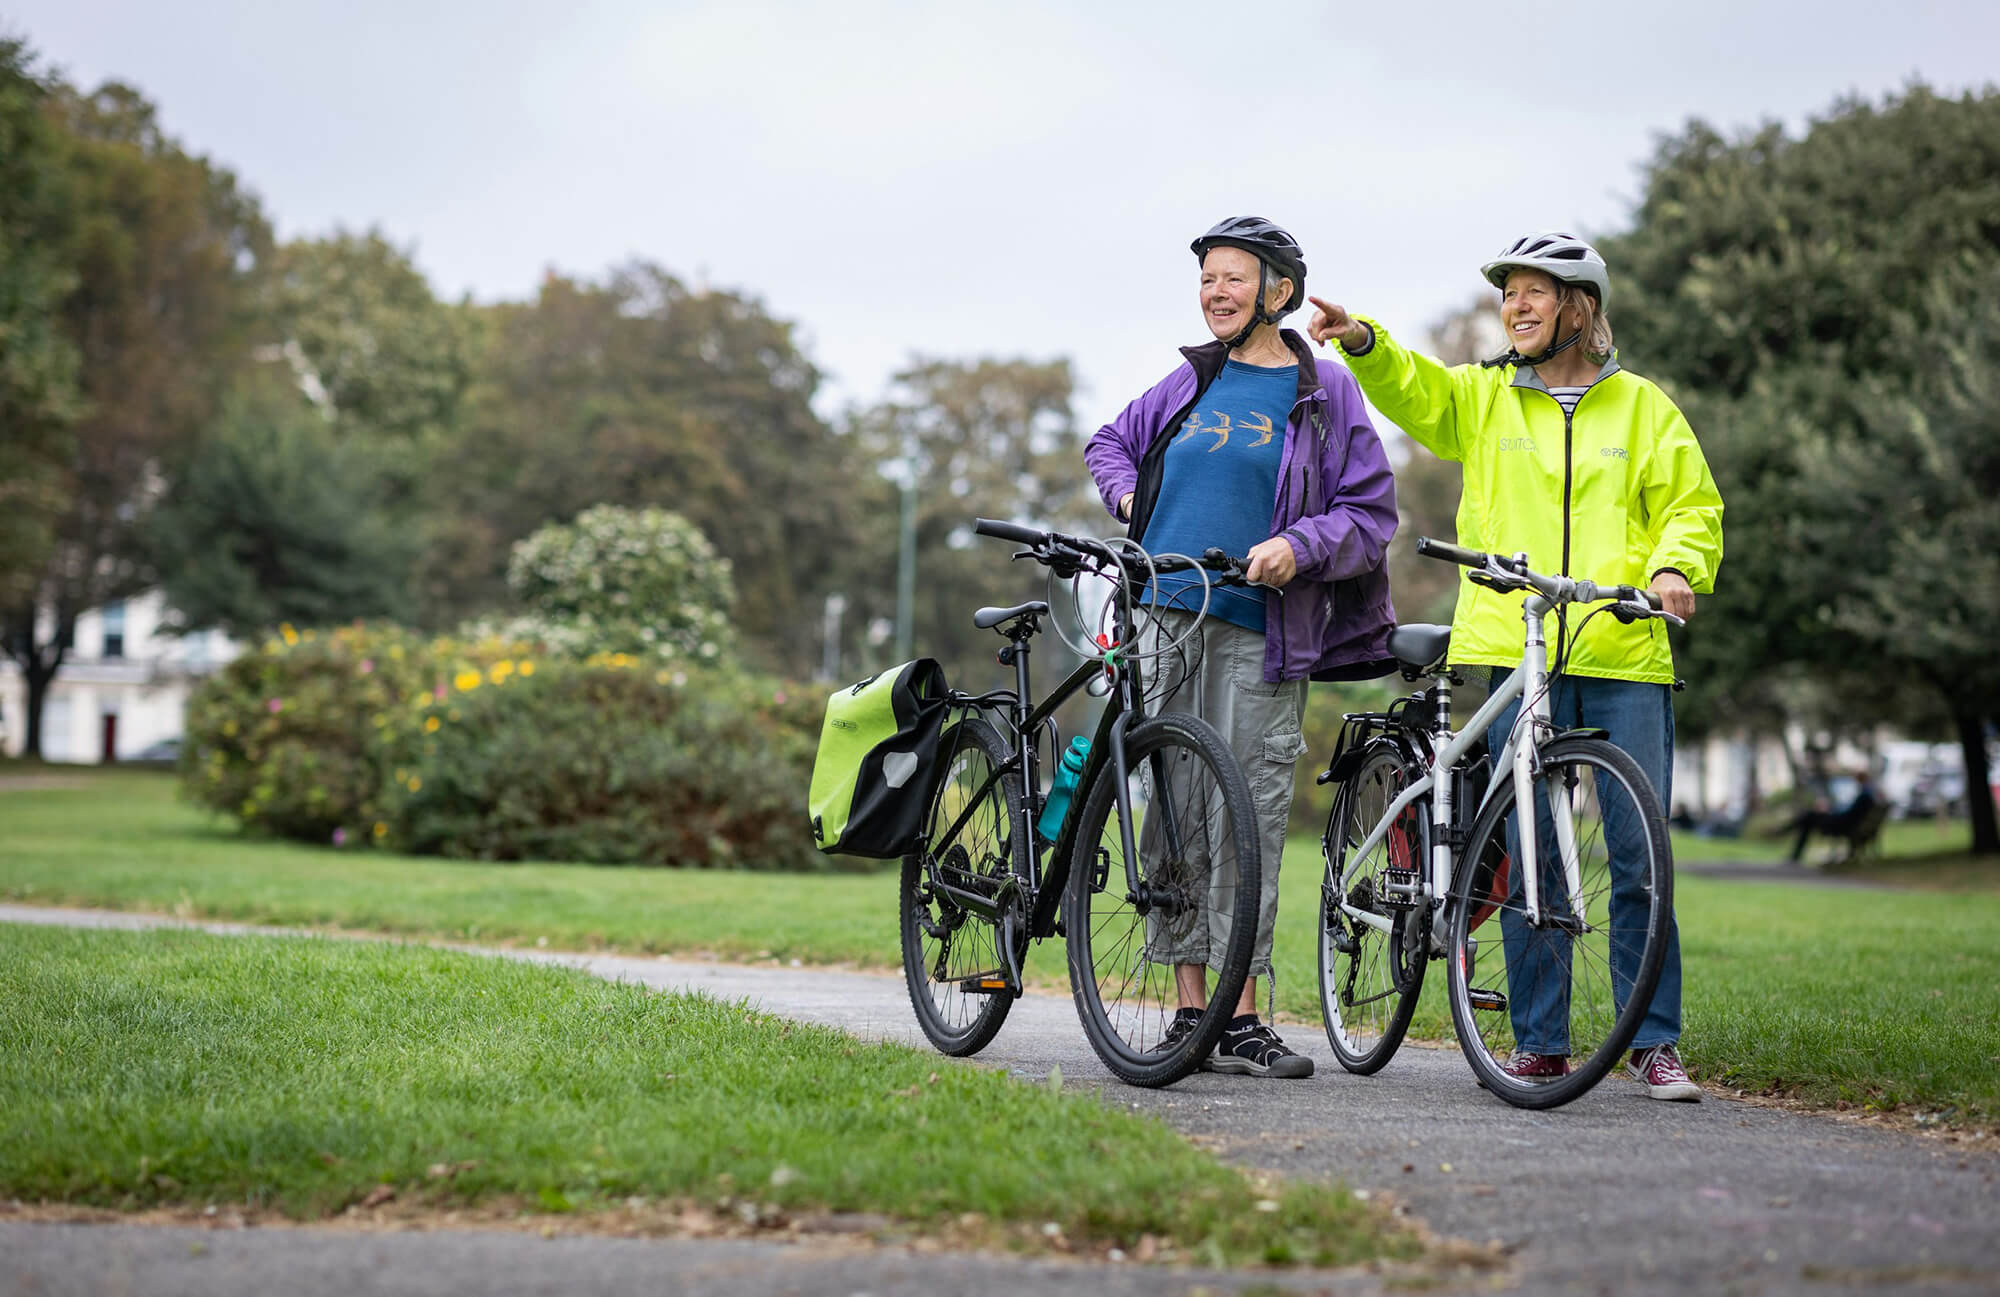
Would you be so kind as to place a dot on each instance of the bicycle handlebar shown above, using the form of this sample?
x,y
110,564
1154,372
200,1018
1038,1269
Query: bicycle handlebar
x,y
1055,548
1503,573
1013,531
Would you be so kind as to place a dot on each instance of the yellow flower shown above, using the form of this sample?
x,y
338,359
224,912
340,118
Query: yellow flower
x,y
501,670
620,660
380,829
415,784
467,681
291,636
527,668
430,725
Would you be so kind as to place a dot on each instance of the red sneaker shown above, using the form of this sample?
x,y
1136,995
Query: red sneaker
x,y
1659,1070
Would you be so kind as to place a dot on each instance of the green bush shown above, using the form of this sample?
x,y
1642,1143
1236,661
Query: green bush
x,y
485,750
613,760
289,738
627,581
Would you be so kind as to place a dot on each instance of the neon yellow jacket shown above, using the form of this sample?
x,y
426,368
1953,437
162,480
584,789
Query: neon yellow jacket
x,y
1617,493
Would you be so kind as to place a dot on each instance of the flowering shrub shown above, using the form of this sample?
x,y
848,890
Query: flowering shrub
x,y
484,748
624,581
292,738
615,760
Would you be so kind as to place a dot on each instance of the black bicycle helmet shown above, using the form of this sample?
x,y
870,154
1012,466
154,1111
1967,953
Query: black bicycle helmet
x,y
1270,244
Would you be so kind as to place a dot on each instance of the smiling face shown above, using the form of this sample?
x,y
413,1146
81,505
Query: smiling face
x,y
1229,290
1528,311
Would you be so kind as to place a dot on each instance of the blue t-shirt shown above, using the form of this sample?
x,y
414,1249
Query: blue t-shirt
x,y
1220,483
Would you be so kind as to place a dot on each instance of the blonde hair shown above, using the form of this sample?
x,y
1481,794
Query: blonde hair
x,y
1595,325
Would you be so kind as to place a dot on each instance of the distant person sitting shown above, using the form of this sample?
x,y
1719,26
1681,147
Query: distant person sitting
x,y
1835,824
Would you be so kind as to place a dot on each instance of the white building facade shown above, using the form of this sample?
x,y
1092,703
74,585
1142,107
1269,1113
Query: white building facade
x,y
123,686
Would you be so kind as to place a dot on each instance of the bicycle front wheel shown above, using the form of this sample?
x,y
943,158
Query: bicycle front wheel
x,y
1574,982
953,953
1372,930
1192,914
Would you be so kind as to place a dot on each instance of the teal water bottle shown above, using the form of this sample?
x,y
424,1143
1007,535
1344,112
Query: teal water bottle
x,y
1062,788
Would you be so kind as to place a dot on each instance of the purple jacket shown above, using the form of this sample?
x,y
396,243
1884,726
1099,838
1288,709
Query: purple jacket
x,y
1336,504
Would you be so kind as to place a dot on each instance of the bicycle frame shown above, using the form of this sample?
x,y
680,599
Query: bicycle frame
x,y
1520,757
1122,705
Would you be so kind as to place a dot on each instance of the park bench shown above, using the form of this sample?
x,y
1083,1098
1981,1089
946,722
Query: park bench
x,y
1859,837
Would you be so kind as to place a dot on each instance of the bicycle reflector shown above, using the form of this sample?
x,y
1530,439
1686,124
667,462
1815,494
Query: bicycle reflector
x,y
1480,998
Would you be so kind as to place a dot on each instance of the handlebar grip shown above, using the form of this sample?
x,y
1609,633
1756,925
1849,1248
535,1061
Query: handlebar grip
x,y
1450,553
1013,531
1217,559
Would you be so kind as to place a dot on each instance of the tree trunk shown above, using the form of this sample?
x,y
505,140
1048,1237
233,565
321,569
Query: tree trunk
x,y
39,664
1978,781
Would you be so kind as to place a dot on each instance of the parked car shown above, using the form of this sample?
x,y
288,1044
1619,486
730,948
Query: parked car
x,y
166,752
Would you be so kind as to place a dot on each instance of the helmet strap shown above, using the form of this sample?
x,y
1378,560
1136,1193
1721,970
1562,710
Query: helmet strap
x,y
1550,352
1257,315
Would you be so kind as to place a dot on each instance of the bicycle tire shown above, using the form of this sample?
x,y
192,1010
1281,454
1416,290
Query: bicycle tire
x,y
1122,973
1369,980
948,949
1587,1007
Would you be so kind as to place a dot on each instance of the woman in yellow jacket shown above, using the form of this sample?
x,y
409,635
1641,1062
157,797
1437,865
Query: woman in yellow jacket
x,y
1589,469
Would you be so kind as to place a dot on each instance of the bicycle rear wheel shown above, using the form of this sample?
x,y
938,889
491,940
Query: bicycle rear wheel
x,y
1200,877
953,955
1369,975
1566,987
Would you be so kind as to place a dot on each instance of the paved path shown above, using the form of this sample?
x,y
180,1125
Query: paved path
x,y
1612,1193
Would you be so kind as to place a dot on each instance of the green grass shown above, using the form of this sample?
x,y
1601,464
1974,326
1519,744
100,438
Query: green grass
x,y
1883,998
299,1075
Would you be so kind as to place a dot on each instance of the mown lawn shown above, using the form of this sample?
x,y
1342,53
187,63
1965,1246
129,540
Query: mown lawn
x,y
302,1076
1889,998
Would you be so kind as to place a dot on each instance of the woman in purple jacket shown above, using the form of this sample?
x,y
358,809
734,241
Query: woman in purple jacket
x,y
1255,446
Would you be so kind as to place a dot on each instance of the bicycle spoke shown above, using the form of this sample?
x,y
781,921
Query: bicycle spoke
x,y
1194,906
1557,989
952,956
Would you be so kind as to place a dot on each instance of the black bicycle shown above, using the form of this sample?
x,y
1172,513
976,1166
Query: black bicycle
x,y
1154,874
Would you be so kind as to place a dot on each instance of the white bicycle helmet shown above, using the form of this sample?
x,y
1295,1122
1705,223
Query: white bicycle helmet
x,y
1564,256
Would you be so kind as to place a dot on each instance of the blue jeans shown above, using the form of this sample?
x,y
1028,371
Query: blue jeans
x,y
1640,719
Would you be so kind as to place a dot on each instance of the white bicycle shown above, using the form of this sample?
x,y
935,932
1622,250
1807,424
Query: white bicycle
x,y
1422,849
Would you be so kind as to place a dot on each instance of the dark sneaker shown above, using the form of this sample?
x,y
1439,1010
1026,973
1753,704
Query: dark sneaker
x,y
1659,1070
1537,1069
1249,1048
1179,1029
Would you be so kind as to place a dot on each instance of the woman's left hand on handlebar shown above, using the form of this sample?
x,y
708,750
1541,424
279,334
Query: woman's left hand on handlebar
x,y
1676,596
1271,562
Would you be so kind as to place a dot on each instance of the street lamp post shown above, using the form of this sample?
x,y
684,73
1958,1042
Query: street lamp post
x,y
906,556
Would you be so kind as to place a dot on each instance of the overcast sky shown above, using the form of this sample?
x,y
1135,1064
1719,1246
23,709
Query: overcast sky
x,y
1010,179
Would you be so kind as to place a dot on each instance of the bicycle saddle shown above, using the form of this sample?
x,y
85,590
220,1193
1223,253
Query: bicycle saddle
x,y
1420,645
988,618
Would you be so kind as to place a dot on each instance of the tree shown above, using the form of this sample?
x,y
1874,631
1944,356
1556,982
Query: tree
x,y
639,581
276,518
1822,309
642,392
38,392
366,337
164,248
984,438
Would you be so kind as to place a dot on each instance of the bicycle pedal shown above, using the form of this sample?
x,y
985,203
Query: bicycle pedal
x,y
1480,998
985,986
